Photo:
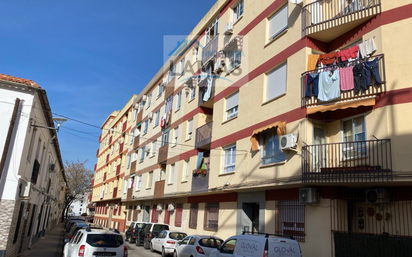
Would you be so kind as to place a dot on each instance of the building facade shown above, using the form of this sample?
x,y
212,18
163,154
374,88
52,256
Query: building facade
x,y
32,187
78,207
279,117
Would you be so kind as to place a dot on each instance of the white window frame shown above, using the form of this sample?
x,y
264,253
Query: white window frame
x,y
262,148
172,174
146,127
352,146
138,182
132,137
229,152
234,58
186,171
175,135
157,118
189,129
281,83
142,154
153,150
178,100
159,90
182,66
149,100
213,28
195,53
237,11
135,114
149,180
276,18
232,111
192,94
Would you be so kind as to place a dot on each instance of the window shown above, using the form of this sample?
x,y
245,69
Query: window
x,y
172,174
154,145
276,82
193,215
138,182
182,66
167,220
142,153
178,215
278,22
270,148
353,134
178,100
131,181
149,179
234,56
232,106
211,216
192,94
189,128
186,171
175,135
149,100
237,11
291,221
195,53
229,160
33,137
169,104
146,126
165,137
157,118
211,31
159,90
172,72
135,115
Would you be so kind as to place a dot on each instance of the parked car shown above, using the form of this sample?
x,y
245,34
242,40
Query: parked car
x,y
132,231
95,242
149,231
256,245
166,241
70,224
197,246
72,218
73,229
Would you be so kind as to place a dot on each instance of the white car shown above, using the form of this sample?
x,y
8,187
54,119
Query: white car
x,y
258,245
166,241
197,246
92,243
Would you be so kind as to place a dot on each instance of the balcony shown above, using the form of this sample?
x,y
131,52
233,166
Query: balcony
x,y
115,192
136,142
159,189
118,170
326,20
204,135
200,182
210,50
129,194
121,148
133,167
163,154
104,176
347,98
360,161
203,89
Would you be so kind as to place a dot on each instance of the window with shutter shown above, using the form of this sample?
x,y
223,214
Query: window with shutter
x,y
193,215
211,216
178,215
167,216
155,214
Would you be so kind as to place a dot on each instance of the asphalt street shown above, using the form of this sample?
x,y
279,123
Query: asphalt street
x,y
140,251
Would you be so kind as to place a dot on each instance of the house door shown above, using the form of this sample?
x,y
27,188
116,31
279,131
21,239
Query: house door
x,y
146,213
251,217
319,149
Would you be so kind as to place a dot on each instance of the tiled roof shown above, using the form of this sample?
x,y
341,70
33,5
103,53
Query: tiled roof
x,y
19,80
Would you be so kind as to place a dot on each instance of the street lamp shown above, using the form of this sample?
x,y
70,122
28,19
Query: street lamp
x,y
58,121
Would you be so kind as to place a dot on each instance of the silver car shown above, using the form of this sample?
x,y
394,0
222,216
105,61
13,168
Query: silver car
x,y
166,241
197,246
92,243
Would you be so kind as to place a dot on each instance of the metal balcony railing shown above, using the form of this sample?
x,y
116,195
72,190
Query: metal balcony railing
x,y
373,90
210,50
322,15
359,161
204,135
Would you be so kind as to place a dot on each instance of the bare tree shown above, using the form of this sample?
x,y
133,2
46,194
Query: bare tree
x,y
78,182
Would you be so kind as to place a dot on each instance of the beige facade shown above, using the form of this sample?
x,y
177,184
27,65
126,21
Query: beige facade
x,y
214,165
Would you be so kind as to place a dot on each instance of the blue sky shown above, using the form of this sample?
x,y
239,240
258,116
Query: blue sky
x,y
91,56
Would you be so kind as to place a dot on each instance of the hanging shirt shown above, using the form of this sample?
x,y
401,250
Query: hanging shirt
x,y
349,53
328,58
368,47
329,85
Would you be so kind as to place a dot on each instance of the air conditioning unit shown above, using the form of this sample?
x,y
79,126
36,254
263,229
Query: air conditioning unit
x,y
150,115
228,28
308,195
159,207
144,98
288,142
52,167
377,196
24,189
170,207
139,207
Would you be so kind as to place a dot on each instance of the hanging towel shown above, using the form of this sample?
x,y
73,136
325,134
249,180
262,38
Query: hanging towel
x,y
328,58
312,61
329,85
366,48
349,53
208,91
346,78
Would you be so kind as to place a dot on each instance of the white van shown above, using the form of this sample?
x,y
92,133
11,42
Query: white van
x,y
258,245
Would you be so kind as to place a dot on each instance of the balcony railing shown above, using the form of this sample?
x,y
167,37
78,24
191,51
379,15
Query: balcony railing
x,y
115,192
359,161
373,90
323,15
118,169
163,154
159,189
204,135
210,50
200,182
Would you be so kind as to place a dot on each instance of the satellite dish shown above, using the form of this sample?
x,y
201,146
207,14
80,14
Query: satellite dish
x,y
296,1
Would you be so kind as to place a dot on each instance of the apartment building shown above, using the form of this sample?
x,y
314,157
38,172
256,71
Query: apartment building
x,y
32,179
111,165
283,117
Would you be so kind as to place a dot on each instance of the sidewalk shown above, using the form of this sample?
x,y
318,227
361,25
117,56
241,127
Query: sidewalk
x,y
50,245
